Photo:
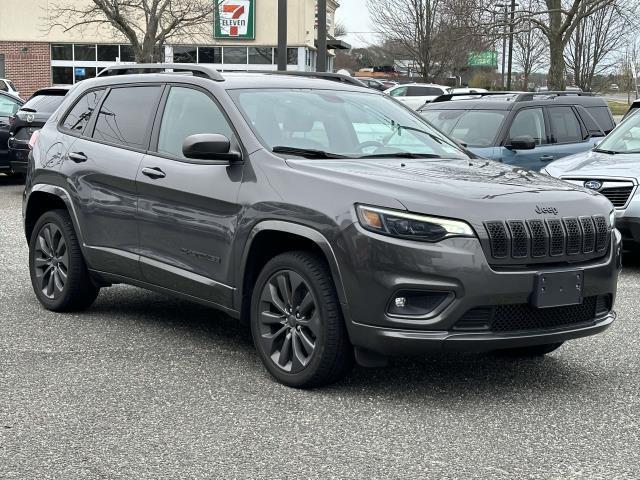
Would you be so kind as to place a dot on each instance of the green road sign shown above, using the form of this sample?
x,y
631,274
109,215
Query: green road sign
x,y
483,59
235,19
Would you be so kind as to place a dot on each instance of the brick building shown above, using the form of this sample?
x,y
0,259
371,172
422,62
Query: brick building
x,y
33,56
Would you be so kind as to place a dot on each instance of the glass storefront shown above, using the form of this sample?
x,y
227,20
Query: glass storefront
x,y
71,63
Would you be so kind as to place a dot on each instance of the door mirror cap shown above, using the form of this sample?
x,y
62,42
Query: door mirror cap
x,y
210,146
522,142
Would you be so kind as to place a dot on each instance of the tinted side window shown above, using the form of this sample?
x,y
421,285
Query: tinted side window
x,y
603,117
565,127
125,116
189,112
78,118
416,91
530,122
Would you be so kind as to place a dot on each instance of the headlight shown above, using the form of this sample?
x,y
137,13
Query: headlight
x,y
411,226
612,219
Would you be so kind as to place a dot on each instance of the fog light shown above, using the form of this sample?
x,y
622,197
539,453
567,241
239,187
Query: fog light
x,y
401,302
415,303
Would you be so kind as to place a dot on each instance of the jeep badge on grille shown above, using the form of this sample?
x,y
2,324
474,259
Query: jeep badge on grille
x,y
550,210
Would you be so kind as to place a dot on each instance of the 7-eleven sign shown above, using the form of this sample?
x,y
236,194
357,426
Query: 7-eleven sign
x,y
234,19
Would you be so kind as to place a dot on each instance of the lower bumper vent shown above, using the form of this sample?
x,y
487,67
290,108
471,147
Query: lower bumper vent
x,y
522,316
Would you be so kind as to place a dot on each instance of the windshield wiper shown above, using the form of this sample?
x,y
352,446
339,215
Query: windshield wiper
x,y
306,152
401,155
610,152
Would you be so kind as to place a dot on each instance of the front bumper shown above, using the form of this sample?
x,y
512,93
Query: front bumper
x,y
377,267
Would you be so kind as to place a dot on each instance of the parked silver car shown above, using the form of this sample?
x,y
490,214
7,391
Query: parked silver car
x,y
612,169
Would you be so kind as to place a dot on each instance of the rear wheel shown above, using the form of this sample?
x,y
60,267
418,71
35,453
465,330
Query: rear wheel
x,y
531,351
59,275
297,323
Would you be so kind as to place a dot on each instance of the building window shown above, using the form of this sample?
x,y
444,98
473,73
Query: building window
x,y
62,75
62,51
108,53
84,53
210,55
292,56
237,55
81,73
185,54
261,56
126,54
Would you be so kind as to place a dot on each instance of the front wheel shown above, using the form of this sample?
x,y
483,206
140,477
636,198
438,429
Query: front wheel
x,y
531,351
297,323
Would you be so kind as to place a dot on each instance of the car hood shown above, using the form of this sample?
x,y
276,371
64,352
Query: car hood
x,y
596,164
475,190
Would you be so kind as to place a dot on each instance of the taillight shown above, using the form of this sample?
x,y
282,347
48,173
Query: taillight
x,y
34,139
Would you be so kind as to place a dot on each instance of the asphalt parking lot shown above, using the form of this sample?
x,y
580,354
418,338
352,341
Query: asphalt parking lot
x,y
145,386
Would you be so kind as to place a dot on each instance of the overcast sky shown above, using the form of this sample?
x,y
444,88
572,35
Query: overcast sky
x,y
355,16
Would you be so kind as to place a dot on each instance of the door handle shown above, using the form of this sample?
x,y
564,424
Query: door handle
x,y
547,158
153,172
78,157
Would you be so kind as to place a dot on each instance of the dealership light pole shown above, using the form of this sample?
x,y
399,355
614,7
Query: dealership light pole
x,y
282,35
321,62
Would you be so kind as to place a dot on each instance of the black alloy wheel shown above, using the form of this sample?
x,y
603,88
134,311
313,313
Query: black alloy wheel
x,y
51,261
297,323
289,321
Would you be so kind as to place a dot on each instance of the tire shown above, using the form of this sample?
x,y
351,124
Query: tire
x,y
529,352
312,348
59,274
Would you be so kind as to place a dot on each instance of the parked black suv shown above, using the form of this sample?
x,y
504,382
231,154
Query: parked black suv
x,y
31,117
327,215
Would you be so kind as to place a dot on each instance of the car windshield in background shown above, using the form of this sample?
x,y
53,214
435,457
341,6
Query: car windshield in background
x,y
476,128
43,103
624,139
340,123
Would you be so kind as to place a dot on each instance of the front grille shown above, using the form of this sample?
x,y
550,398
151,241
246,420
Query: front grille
x,y
617,195
553,237
522,316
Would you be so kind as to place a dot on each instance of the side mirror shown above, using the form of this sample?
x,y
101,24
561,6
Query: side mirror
x,y
522,142
210,146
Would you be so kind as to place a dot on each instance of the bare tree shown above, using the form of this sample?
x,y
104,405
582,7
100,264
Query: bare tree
x,y
530,52
409,24
595,39
146,24
557,20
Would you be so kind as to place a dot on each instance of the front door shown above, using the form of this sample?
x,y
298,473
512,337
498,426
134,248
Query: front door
x,y
188,209
529,122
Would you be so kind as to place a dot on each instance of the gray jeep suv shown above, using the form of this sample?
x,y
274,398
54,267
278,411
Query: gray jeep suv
x,y
336,221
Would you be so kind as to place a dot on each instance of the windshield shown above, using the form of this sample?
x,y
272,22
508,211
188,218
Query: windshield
x,y
340,123
476,128
625,138
43,103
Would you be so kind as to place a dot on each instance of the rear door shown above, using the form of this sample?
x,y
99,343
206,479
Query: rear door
x,y
188,209
101,166
568,134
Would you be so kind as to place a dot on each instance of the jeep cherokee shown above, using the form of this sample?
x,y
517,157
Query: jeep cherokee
x,y
336,221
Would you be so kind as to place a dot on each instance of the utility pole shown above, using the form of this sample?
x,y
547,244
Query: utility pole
x,y
511,22
282,35
504,39
321,62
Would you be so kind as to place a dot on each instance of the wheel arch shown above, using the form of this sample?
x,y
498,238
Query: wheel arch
x,y
45,197
272,237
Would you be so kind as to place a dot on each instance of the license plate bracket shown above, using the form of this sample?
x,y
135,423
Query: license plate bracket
x,y
558,289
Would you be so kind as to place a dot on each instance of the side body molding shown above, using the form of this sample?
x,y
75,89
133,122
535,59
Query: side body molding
x,y
302,231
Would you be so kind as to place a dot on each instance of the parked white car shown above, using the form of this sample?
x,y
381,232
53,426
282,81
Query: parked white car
x,y
9,87
415,95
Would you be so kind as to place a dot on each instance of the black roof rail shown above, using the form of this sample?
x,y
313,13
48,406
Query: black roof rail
x,y
450,96
553,94
335,77
138,68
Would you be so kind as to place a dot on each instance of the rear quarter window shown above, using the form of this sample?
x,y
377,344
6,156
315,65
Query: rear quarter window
x,y
77,119
602,115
